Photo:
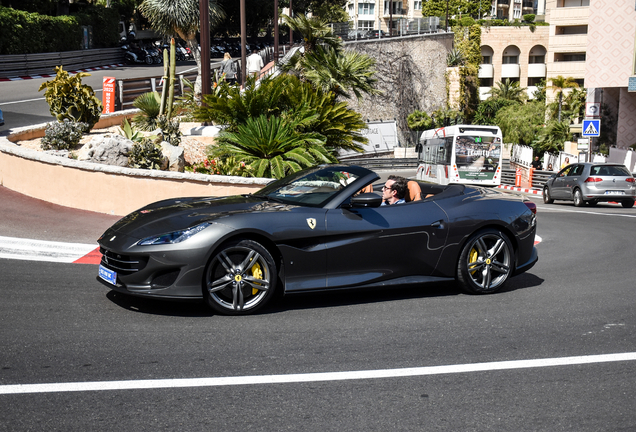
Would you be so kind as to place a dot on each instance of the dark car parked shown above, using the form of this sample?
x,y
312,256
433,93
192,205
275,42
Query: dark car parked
x,y
591,183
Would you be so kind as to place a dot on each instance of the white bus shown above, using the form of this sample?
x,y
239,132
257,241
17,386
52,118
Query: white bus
x,y
461,154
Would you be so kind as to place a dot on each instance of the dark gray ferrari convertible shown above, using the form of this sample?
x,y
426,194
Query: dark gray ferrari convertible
x,y
317,230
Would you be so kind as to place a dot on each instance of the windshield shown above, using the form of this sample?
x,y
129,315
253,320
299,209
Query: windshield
x,y
477,153
314,188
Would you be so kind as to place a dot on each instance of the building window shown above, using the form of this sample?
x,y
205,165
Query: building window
x,y
569,57
365,25
571,30
486,60
572,3
366,8
485,82
534,59
511,59
417,5
397,8
535,81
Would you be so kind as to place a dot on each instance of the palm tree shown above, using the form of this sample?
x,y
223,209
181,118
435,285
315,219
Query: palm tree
x,y
181,17
509,90
273,147
559,84
326,65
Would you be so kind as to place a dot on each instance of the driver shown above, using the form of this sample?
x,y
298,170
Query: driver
x,y
394,190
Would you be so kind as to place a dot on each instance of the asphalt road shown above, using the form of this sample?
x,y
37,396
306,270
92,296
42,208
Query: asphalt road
x,y
23,105
61,326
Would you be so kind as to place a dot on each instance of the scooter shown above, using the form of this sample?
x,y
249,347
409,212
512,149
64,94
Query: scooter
x,y
133,54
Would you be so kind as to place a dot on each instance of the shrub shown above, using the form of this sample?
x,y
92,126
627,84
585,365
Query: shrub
x,y
529,18
104,22
145,155
24,33
169,130
228,166
63,135
69,99
148,103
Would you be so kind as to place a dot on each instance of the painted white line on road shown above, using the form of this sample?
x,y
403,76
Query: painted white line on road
x,y
311,377
557,209
21,101
40,250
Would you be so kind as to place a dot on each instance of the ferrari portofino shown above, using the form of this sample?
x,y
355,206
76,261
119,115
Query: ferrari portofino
x,y
317,230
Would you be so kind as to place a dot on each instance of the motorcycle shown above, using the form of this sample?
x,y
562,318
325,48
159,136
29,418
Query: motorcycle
x,y
134,54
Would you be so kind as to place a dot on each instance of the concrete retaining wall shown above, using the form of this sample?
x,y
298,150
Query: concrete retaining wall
x,y
102,188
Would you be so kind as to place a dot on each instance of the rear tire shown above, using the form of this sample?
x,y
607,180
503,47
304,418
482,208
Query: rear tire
x,y
485,263
240,278
578,199
628,203
547,199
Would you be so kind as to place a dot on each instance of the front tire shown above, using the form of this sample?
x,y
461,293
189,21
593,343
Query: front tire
x,y
485,263
240,278
546,196
578,199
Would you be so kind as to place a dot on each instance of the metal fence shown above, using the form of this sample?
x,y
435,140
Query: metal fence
x,y
402,27
38,64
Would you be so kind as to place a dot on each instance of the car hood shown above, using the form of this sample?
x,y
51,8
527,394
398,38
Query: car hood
x,y
180,213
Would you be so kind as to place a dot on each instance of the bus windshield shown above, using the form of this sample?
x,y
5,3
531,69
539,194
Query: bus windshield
x,y
477,153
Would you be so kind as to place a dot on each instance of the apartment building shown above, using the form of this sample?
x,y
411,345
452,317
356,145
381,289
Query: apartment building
x,y
515,9
378,14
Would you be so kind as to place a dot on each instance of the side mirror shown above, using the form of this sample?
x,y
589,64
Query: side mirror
x,y
366,200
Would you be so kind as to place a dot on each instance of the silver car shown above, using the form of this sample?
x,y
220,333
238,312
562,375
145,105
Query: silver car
x,y
591,183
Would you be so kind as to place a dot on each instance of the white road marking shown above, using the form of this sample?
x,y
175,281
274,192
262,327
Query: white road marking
x,y
40,250
21,101
557,209
312,377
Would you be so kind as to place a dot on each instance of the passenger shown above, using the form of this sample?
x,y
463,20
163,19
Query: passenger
x,y
394,190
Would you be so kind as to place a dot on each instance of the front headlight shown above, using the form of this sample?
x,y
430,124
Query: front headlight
x,y
173,237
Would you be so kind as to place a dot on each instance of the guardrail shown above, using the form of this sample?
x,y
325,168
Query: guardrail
x,y
539,178
128,89
44,63
383,163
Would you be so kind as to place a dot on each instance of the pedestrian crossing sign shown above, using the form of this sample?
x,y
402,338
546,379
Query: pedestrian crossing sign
x,y
591,128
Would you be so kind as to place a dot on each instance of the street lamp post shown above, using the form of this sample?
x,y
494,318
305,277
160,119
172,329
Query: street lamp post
x,y
446,15
204,15
243,43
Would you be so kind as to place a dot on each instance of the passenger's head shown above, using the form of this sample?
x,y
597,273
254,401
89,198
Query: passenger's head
x,y
227,56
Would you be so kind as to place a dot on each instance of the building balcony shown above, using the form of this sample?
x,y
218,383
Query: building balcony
x,y
486,71
484,93
530,91
503,4
567,69
510,71
537,70
396,13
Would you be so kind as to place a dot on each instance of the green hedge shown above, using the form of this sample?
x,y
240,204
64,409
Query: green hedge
x,y
27,33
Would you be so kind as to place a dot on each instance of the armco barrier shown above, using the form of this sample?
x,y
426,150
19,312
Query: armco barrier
x,y
36,64
102,188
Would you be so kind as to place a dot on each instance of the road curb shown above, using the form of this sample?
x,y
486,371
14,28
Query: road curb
x,y
524,190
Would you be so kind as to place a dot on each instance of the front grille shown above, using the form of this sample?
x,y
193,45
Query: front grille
x,y
123,264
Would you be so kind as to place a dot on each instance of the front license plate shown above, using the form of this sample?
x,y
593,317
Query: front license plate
x,y
108,275
614,192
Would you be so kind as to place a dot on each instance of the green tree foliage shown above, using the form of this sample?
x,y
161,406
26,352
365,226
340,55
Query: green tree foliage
x,y
509,90
286,97
25,33
488,109
468,42
559,84
181,17
419,121
69,99
273,147
324,62
552,137
520,123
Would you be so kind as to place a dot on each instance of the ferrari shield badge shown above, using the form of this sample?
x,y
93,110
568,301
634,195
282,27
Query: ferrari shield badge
x,y
311,222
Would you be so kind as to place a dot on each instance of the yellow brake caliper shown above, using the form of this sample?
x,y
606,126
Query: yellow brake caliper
x,y
257,272
472,259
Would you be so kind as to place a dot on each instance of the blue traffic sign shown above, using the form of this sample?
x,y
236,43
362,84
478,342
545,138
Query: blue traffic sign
x,y
591,128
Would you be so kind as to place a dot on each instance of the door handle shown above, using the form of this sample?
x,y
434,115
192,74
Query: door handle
x,y
438,224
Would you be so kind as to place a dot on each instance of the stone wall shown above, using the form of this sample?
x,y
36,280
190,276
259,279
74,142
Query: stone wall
x,y
411,75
